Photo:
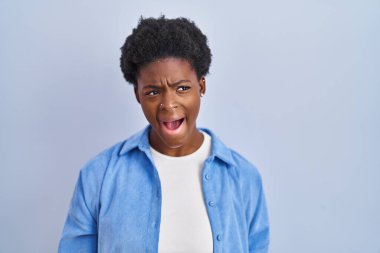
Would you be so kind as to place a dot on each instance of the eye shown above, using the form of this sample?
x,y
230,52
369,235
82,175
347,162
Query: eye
x,y
183,88
151,93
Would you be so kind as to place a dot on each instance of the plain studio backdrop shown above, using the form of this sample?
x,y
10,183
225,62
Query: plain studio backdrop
x,y
294,86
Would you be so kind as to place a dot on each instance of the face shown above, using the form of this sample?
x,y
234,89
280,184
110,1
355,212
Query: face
x,y
169,91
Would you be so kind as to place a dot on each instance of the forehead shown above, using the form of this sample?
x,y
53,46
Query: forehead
x,y
166,70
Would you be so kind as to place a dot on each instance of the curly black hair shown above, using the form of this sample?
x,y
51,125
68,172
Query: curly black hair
x,y
159,38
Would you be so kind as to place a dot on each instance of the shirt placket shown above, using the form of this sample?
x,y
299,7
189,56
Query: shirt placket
x,y
155,211
208,180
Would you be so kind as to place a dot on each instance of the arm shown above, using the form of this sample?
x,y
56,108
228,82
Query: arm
x,y
259,225
80,229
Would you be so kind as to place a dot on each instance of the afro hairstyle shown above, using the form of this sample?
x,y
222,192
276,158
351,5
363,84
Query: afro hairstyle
x,y
160,38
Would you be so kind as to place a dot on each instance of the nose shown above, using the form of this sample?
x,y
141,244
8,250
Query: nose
x,y
168,101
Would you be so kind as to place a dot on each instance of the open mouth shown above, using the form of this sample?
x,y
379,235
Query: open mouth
x,y
173,125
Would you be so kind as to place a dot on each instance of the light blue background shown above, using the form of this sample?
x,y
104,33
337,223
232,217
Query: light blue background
x,y
294,86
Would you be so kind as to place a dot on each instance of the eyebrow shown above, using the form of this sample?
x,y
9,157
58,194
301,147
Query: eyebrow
x,y
152,86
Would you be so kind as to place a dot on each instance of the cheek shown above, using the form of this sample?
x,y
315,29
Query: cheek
x,y
148,111
194,107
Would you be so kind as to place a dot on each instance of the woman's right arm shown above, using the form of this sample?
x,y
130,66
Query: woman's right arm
x,y
80,229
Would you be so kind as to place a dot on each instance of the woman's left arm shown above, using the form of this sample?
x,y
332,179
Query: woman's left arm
x,y
258,233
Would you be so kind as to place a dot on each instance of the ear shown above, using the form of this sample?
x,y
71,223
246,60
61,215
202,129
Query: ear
x,y
136,93
202,85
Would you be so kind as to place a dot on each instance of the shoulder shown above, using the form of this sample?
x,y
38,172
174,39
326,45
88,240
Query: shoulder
x,y
242,171
97,166
245,168
242,167
94,170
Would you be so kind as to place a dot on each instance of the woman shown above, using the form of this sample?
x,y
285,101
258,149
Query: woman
x,y
171,187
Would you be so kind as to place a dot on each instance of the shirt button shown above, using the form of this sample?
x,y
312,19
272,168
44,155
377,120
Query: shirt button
x,y
219,237
208,177
153,224
211,203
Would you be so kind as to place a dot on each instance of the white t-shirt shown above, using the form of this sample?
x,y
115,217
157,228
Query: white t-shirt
x,y
185,227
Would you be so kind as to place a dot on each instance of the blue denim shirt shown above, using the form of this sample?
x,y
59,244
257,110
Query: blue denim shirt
x,y
116,206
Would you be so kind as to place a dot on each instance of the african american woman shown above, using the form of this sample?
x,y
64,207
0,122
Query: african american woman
x,y
172,187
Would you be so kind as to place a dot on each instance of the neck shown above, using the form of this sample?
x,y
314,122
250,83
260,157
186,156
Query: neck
x,y
188,148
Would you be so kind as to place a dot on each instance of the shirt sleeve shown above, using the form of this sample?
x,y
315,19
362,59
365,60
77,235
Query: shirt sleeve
x,y
80,229
259,225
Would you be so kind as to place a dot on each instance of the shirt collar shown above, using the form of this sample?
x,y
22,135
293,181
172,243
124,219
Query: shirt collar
x,y
140,140
219,149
